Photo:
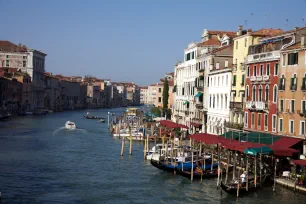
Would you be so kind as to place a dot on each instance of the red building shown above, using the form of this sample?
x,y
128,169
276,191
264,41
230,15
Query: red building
x,y
262,85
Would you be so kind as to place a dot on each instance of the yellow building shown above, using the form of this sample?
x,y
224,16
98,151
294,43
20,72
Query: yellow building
x,y
244,39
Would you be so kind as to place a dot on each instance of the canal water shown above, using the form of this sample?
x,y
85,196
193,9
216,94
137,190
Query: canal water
x,y
40,162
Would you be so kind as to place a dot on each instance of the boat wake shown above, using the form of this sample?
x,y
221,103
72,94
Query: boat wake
x,y
65,129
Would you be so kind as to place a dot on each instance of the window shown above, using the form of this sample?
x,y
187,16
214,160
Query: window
x,y
188,57
236,45
267,93
253,119
192,55
276,69
259,120
234,80
159,90
7,63
245,42
260,93
303,108
291,126
266,120
254,93
248,71
246,119
213,101
159,99
24,64
255,71
293,83
284,60
281,105
247,91
261,69
226,80
218,81
274,94
210,101
217,65
303,87
242,80
183,91
280,125
282,83
268,70
24,57
207,81
302,127
293,58
226,64
273,123
292,108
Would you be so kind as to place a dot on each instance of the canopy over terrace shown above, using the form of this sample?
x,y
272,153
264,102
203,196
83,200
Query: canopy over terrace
x,y
279,148
171,125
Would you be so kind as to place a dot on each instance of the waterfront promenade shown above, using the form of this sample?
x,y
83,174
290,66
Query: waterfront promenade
x,y
41,163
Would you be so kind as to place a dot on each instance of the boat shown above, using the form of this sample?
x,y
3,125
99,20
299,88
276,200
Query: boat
x,y
70,125
232,186
154,150
93,117
207,173
5,116
102,120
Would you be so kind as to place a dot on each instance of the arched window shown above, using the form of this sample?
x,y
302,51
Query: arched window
x,y
267,93
254,93
275,93
247,91
260,93
225,101
221,101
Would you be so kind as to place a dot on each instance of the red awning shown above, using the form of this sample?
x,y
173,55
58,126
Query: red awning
x,y
170,124
283,152
207,138
241,146
300,162
195,124
285,142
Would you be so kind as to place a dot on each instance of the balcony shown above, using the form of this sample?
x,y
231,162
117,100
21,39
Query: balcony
x,y
236,106
234,67
293,87
274,55
253,78
199,105
265,78
257,105
258,78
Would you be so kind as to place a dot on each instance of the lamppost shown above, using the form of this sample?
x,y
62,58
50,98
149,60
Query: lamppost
x,y
108,118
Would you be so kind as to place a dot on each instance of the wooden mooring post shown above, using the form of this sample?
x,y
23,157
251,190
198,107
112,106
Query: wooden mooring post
x,y
191,160
122,146
131,140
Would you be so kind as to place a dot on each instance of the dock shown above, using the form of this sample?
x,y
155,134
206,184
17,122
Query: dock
x,y
288,183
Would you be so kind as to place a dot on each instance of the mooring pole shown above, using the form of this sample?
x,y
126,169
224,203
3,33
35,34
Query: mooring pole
x,y
228,161
131,139
247,174
122,146
191,162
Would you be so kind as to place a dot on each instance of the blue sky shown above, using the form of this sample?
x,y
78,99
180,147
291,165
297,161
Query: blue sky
x,y
135,40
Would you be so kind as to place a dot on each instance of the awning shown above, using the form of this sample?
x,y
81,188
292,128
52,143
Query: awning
x,y
198,94
284,152
256,150
186,102
300,162
170,124
285,142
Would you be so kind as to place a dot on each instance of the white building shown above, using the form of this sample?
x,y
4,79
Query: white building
x,y
219,89
151,94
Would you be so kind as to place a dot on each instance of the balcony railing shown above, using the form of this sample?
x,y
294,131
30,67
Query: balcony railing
x,y
293,87
234,67
258,78
257,105
236,105
253,78
266,77
199,105
274,55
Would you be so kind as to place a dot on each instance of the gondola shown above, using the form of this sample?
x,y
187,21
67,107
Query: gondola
x,y
157,164
231,187
197,175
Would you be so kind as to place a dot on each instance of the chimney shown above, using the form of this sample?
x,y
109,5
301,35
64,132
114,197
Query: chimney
x,y
295,28
239,30
249,30
303,41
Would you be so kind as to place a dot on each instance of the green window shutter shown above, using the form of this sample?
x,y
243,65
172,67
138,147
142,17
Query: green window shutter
x,y
242,82
304,106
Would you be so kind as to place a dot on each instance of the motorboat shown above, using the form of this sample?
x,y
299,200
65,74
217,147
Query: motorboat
x,y
70,125
101,120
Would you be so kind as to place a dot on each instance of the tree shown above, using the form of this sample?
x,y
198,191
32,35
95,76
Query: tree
x,y
165,95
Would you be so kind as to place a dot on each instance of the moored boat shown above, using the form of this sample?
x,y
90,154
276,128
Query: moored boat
x,y
70,125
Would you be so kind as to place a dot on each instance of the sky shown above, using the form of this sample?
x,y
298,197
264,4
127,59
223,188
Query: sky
x,y
132,40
